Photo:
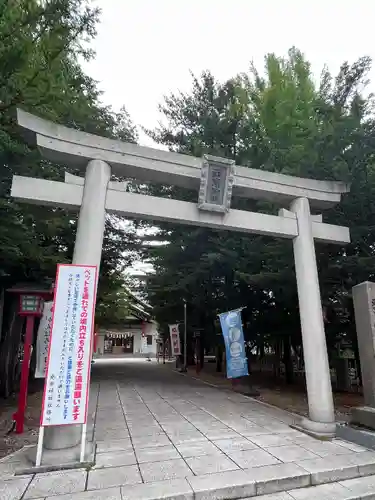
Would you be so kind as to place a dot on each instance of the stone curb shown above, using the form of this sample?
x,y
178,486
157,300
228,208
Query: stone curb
x,y
242,484
252,482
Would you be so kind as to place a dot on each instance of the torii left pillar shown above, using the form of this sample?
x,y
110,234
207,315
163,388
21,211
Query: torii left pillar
x,y
87,251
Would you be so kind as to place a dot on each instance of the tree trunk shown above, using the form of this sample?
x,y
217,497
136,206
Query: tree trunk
x,y
261,353
357,356
288,362
9,354
277,359
219,359
201,350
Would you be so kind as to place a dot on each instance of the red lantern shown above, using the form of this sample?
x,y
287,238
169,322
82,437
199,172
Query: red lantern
x,y
31,302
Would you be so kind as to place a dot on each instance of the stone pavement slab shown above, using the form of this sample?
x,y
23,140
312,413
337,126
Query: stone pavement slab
x,y
158,454
56,483
277,496
253,458
13,488
115,459
221,434
223,486
150,441
232,445
175,489
334,468
324,449
291,453
120,444
8,468
210,464
363,486
255,431
166,469
324,492
163,435
350,446
268,440
353,489
364,461
106,494
198,449
113,476
276,478
110,434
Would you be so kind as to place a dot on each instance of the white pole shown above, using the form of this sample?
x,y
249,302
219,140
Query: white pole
x,y
39,448
83,443
318,378
185,336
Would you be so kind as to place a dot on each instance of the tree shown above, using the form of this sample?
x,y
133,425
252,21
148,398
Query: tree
x,y
41,43
284,123
198,264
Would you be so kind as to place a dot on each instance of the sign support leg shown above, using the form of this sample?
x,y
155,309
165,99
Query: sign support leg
x,y
83,443
39,449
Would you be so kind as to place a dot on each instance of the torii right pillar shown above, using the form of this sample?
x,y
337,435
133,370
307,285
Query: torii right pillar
x,y
321,421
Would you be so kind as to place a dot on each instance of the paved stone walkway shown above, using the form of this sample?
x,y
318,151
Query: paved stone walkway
x,y
162,435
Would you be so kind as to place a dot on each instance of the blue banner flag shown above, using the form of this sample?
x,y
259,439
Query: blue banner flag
x,y
231,326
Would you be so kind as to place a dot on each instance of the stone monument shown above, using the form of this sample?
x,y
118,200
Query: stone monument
x,y
364,308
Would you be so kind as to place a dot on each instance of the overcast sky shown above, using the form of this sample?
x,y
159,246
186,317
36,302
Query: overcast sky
x,y
146,48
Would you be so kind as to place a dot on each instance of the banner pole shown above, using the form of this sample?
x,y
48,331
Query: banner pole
x,y
39,449
234,310
83,443
185,337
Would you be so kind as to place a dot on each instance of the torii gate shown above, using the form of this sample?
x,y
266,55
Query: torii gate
x,y
214,179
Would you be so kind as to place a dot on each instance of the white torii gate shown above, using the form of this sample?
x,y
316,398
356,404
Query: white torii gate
x,y
215,179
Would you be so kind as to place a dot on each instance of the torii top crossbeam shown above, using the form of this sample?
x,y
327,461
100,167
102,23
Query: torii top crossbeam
x,y
72,147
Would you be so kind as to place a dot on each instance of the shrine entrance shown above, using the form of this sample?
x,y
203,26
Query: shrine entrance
x,y
216,181
120,343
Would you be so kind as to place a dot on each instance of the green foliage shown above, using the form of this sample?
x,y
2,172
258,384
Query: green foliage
x,y
282,122
40,46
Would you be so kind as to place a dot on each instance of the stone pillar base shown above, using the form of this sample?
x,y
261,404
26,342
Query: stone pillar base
x,y
319,430
54,460
365,416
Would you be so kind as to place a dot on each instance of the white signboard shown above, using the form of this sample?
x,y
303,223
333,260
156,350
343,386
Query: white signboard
x,y
42,340
68,367
144,343
175,340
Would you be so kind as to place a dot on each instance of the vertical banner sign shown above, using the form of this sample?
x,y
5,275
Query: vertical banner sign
x,y
231,326
144,338
42,341
144,343
69,358
175,340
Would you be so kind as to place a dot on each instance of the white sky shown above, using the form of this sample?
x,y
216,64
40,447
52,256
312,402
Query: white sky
x,y
145,48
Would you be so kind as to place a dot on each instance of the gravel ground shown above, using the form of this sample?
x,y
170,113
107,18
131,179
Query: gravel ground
x,y
10,442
